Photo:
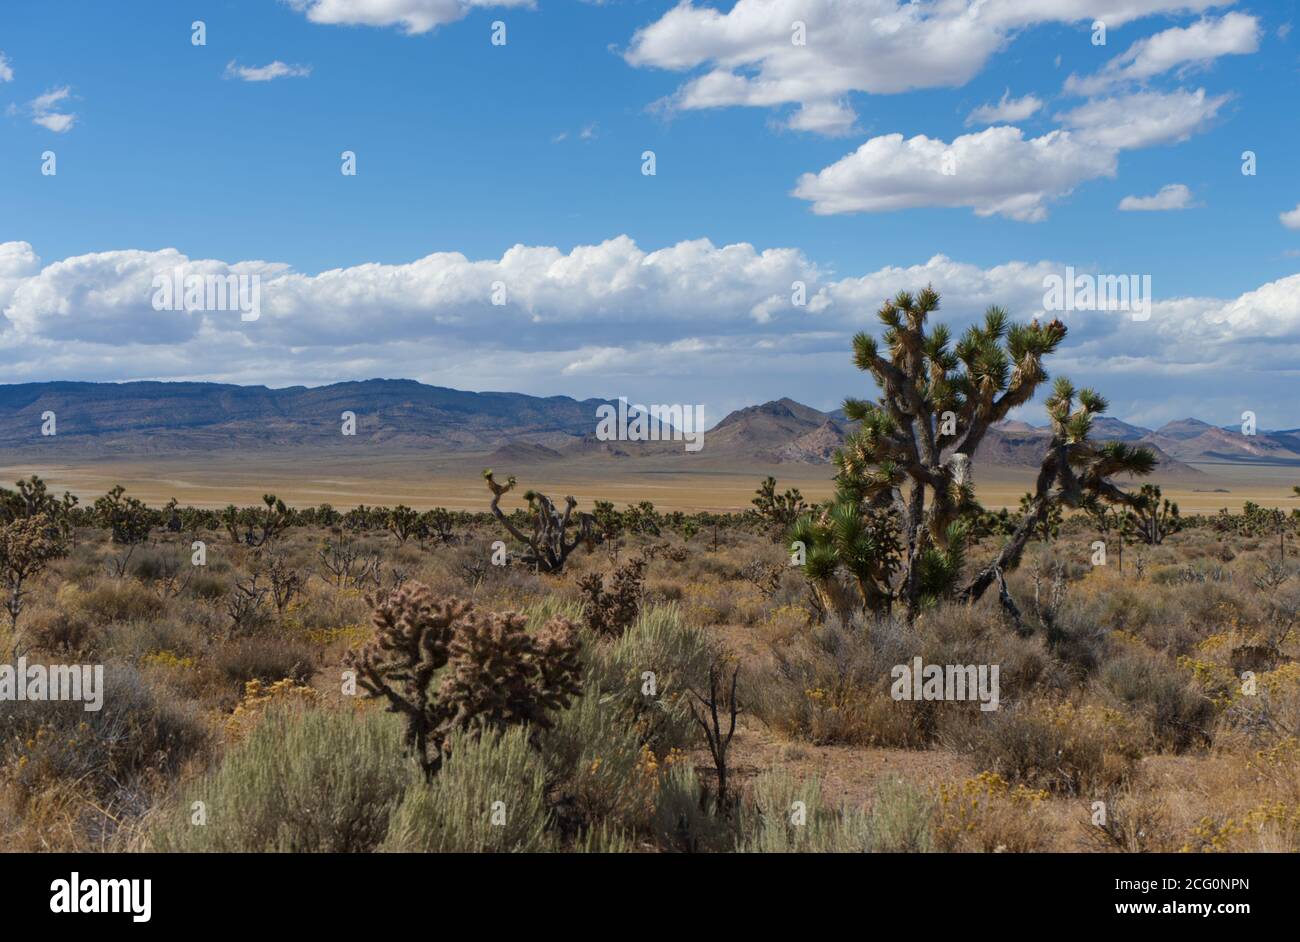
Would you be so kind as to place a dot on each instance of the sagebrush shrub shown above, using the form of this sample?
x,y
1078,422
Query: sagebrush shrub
x,y
489,796
303,780
660,652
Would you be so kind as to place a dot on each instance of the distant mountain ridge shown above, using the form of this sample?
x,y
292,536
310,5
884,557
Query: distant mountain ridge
x,y
153,417
108,419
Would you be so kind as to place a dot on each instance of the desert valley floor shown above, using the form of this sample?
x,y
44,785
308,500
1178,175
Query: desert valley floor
x,y
456,482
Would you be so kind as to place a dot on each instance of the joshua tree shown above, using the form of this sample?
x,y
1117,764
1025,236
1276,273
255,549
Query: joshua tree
x,y
609,524
908,465
443,665
31,499
254,527
778,510
555,535
1150,518
27,546
437,522
286,583
854,537
127,519
642,518
403,522
1049,528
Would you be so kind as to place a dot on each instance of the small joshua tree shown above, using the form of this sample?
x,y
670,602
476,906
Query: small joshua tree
x,y
244,605
128,521
257,527
403,523
286,583
1049,527
642,518
609,524
27,546
777,510
910,460
437,523
1152,518
554,536
32,499
443,665
853,537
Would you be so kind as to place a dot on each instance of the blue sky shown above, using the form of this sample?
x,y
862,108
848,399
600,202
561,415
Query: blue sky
x,y
470,148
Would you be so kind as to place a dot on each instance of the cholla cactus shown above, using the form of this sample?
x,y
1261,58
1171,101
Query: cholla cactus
x,y
613,612
444,665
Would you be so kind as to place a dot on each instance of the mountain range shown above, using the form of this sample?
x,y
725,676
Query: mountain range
x,y
141,418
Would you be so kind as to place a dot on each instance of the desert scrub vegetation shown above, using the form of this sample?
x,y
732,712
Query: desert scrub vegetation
x,y
583,730
544,677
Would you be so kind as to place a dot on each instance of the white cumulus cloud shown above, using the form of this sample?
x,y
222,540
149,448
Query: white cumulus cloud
x,y
994,171
1170,196
1181,46
688,322
1000,171
1144,119
265,73
47,110
748,55
414,16
1008,110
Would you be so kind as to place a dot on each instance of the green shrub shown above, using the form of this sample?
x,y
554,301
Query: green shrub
x,y
678,655
1058,749
783,816
134,735
267,659
593,757
901,819
312,780
489,795
116,601
683,818
1181,716
831,683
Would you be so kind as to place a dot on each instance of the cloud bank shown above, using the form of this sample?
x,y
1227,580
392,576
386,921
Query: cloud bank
x,y
689,322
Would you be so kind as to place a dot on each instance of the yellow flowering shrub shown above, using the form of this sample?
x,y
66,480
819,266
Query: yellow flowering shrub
x,y
169,659
351,634
987,814
258,696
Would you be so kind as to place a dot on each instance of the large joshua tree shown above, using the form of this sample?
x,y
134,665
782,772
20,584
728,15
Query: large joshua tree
x,y
554,535
905,494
